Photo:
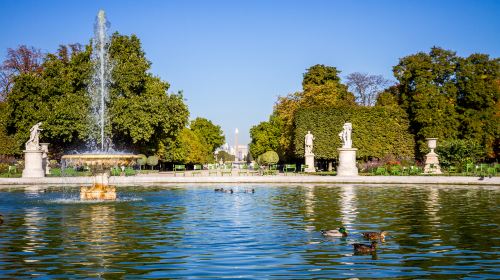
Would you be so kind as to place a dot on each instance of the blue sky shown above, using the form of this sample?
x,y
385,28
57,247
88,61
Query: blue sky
x,y
233,58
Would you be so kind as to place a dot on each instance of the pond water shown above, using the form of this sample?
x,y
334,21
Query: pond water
x,y
274,233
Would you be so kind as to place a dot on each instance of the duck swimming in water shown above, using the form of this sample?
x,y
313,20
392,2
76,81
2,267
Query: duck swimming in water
x,y
1,219
363,248
372,235
341,232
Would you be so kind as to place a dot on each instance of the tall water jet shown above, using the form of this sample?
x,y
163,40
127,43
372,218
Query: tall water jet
x,y
99,162
101,78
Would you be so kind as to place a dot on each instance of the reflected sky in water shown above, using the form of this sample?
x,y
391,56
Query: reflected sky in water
x,y
194,232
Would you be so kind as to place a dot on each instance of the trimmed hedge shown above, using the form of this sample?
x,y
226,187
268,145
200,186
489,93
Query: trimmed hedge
x,y
377,131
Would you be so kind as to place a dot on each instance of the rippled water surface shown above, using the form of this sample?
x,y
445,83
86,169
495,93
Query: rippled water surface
x,y
194,232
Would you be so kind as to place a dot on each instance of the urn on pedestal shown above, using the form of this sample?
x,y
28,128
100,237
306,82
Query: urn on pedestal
x,y
431,159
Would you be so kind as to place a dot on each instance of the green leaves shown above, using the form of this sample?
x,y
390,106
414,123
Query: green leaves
x,y
211,134
377,132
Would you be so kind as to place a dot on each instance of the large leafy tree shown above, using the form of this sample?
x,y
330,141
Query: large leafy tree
x,y
188,148
478,100
211,134
265,136
143,116
141,111
428,93
321,88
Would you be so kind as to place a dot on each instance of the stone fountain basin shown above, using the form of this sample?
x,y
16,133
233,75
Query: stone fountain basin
x,y
101,159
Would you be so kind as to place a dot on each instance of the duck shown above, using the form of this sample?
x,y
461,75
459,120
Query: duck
x,y
372,235
363,248
250,191
219,190
341,232
1,219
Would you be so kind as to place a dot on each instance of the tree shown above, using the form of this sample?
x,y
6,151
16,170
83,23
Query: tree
x,y
366,87
18,61
188,149
265,137
211,134
428,93
225,156
459,152
268,158
321,88
143,116
152,161
8,145
478,101
141,111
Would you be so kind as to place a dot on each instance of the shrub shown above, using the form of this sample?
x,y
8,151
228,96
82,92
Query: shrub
x,y
459,152
268,158
142,160
377,131
152,161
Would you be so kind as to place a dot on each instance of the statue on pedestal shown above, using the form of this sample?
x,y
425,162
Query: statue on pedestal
x,y
309,143
33,143
345,136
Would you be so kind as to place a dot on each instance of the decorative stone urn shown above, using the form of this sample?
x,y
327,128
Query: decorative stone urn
x,y
431,159
347,154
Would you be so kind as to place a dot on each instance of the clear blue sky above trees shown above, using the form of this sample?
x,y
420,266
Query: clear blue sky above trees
x,y
233,58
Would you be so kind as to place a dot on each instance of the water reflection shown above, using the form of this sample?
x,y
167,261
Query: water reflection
x,y
193,232
348,207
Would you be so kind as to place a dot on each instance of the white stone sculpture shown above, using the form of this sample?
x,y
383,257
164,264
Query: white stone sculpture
x,y
33,143
309,156
347,154
33,155
309,143
345,136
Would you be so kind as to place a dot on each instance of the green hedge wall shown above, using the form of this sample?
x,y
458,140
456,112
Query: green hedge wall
x,y
376,131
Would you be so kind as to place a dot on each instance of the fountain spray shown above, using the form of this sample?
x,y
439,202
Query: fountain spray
x,y
101,76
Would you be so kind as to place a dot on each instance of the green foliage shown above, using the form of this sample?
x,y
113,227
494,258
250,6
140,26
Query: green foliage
x,y
8,145
225,156
211,134
428,93
141,111
142,160
188,149
321,88
56,96
142,115
377,131
320,74
265,136
152,161
478,82
459,151
268,158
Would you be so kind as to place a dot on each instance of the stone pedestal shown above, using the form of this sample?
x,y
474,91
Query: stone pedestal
x,y
432,164
347,162
310,163
33,167
431,159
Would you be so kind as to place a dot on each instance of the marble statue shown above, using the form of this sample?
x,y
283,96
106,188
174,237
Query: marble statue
x,y
33,143
345,136
309,143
